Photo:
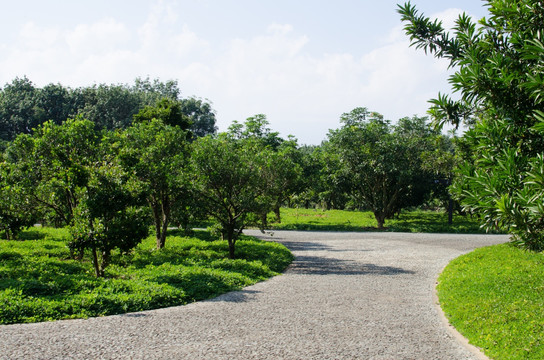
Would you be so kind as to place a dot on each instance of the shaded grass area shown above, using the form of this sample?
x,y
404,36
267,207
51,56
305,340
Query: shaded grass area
x,y
494,296
38,281
342,220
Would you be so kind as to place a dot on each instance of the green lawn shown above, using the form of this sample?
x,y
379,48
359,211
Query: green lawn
x,y
38,281
341,220
494,296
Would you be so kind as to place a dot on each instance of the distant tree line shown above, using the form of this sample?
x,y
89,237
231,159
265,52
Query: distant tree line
x,y
23,106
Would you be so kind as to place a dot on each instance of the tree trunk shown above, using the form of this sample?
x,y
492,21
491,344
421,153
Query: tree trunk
x,y
380,218
163,233
157,223
278,214
231,240
264,220
231,249
161,215
96,265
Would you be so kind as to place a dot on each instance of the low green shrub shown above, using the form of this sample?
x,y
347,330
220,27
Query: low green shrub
x,y
39,281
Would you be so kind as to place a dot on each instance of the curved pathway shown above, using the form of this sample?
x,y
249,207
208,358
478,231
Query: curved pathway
x,y
346,296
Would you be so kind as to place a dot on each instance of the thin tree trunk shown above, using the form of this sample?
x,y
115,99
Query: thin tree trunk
x,y
163,233
96,265
161,214
380,218
278,214
264,220
157,223
231,249
231,241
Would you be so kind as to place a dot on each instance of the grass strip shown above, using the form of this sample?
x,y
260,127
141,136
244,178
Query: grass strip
x,y
494,296
343,220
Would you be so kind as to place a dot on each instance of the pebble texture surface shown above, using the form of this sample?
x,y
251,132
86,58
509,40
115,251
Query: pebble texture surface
x,y
346,296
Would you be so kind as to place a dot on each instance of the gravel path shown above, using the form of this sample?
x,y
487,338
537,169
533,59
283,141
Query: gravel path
x,y
346,296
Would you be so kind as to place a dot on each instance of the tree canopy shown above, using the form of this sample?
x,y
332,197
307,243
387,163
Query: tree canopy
x,y
381,163
498,62
23,106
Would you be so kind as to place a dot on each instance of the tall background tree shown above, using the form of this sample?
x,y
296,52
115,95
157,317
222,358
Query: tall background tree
x,y
498,62
381,163
24,106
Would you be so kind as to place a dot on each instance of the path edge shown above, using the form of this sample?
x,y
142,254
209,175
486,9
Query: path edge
x,y
463,341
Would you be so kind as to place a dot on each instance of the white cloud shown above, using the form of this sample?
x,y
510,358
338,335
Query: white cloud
x,y
101,37
274,72
35,37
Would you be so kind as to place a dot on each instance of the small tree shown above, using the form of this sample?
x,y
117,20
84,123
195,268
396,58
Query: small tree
x,y
280,177
106,217
226,175
156,155
52,165
381,163
16,211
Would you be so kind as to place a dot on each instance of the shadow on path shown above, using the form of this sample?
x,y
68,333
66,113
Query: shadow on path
x,y
236,296
313,265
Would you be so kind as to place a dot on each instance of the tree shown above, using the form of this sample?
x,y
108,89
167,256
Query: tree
x,y
282,176
166,110
52,165
498,64
156,155
226,176
201,116
107,216
152,91
18,109
15,210
256,128
381,163
57,103
280,173
23,107
110,106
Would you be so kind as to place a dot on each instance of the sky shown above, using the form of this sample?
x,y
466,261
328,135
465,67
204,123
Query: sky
x,y
302,63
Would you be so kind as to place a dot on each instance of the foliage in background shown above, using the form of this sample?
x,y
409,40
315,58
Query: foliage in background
x,y
38,282
381,163
498,63
23,107
493,296
343,220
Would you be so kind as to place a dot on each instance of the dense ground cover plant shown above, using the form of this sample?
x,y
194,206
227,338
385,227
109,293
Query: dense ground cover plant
x,y
39,281
494,297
